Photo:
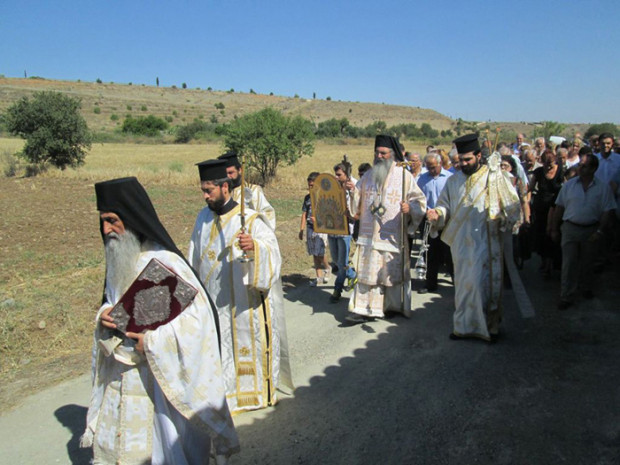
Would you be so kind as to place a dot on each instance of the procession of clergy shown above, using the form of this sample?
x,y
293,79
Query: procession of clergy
x,y
166,396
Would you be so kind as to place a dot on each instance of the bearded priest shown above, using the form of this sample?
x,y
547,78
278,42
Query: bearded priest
x,y
239,264
385,197
158,396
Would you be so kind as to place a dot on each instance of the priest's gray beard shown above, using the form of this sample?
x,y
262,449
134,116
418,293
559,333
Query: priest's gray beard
x,y
121,255
380,171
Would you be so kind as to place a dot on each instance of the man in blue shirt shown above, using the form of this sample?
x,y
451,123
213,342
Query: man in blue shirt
x,y
431,183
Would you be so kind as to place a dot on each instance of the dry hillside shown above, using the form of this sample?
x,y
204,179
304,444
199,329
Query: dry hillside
x,y
181,106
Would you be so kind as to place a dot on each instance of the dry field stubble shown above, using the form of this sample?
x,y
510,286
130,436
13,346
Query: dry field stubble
x,y
52,267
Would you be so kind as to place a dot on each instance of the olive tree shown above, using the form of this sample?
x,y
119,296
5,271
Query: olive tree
x,y
53,127
267,139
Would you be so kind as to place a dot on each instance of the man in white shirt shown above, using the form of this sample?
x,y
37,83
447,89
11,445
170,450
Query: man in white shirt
x,y
585,204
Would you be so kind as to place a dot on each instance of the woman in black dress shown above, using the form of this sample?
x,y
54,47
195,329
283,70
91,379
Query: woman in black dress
x,y
547,181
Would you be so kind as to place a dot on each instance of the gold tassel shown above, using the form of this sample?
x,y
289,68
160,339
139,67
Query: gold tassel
x,y
245,368
247,400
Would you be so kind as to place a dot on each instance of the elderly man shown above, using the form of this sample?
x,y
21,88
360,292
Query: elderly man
x,y
158,396
254,196
476,208
584,207
384,198
240,267
516,147
540,145
431,184
415,166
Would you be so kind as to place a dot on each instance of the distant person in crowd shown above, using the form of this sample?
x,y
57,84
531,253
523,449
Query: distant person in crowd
x,y
430,148
382,265
315,242
529,163
431,184
475,208
539,147
254,196
516,147
593,143
584,209
545,187
519,172
454,160
609,161
240,267
340,244
362,169
445,159
573,155
158,395
562,155
415,165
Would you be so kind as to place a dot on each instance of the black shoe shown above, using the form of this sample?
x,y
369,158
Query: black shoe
x,y
455,337
588,295
335,297
564,304
494,338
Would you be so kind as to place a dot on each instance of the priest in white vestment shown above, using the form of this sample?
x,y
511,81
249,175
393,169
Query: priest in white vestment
x,y
386,196
158,396
253,195
241,271
476,209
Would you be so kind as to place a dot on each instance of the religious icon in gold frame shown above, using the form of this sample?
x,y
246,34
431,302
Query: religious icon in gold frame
x,y
329,205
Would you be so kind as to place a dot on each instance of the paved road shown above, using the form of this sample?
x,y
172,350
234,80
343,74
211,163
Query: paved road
x,y
400,392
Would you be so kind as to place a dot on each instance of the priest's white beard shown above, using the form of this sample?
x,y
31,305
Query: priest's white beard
x,y
380,171
121,256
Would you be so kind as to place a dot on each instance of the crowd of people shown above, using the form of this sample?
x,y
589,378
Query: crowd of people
x,y
167,394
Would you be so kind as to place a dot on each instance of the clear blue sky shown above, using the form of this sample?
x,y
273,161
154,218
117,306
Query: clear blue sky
x,y
519,60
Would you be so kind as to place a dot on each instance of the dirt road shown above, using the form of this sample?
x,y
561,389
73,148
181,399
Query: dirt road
x,y
400,392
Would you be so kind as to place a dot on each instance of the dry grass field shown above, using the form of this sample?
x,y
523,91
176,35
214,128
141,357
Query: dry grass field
x,y
52,267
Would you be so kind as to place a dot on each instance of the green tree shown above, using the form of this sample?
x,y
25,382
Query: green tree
x,y
598,129
548,129
53,127
267,139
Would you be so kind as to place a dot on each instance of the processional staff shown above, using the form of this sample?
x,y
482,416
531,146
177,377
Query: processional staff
x,y
244,256
403,235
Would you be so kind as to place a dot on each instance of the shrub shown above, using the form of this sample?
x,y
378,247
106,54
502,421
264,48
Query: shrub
x,y
129,107
99,81
220,106
193,130
145,125
97,110
184,86
143,108
114,117
169,119
10,164
53,127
